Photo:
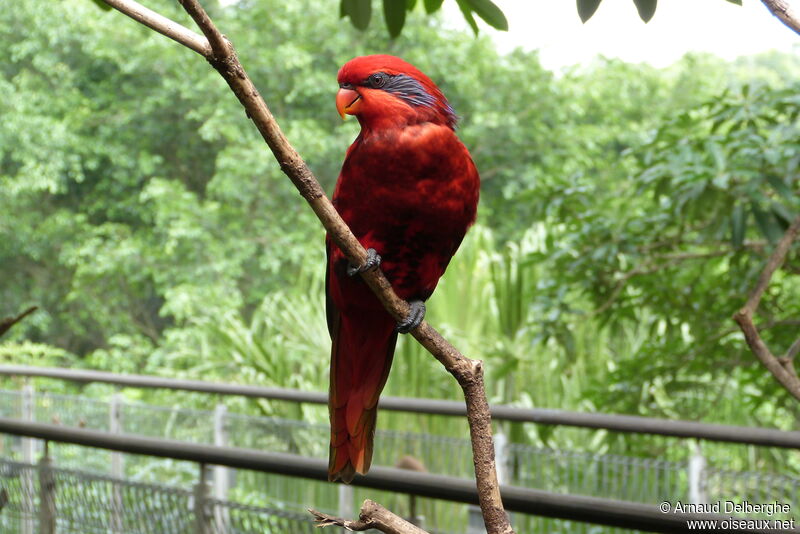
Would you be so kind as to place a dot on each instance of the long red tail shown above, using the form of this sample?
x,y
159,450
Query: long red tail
x,y
361,356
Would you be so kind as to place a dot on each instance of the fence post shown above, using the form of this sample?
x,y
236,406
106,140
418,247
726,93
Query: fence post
x,y
117,470
28,489
202,491
346,497
47,495
697,477
221,474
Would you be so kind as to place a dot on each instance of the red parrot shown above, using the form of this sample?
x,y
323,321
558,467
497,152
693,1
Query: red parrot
x,y
408,189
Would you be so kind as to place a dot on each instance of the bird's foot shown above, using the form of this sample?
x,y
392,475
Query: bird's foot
x,y
373,261
415,316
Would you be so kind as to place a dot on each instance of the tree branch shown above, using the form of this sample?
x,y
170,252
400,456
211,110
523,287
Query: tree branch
x,y
793,350
372,515
785,12
162,25
782,369
469,373
8,322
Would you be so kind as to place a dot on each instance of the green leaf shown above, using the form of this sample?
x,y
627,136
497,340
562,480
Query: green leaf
x,y
102,5
359,11
466,10
431,6
767,223
781,188
488,11
410,5
394,12
783,214
737,2
509,365
586,8
646,8
738,226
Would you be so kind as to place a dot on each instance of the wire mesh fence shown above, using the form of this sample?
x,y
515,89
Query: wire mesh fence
x,y
235,518
626,478
143,488
88,503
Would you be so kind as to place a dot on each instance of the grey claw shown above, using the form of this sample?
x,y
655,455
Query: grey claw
x,y
373,261
415,316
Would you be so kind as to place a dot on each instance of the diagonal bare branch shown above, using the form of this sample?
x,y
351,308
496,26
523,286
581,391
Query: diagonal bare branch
x,y
8,322
785,12
782,369
469,373
794,350
219,44
372,516
162,25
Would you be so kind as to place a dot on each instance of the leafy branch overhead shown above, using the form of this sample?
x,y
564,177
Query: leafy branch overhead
x,y
646,8
394,13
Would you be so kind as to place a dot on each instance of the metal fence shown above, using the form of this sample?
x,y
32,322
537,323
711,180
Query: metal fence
x,y
396,482
637,479
645,480
87,503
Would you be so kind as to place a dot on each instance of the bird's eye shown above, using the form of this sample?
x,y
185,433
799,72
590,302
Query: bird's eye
x,y
377,80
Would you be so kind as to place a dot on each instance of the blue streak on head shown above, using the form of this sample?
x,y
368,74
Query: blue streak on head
x,y
409,90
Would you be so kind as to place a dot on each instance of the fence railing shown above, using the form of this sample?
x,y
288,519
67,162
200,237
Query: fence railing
x,y
45,499
516,499
620,423
625,478
646,480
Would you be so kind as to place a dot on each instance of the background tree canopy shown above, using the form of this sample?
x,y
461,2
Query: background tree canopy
x,y
625,211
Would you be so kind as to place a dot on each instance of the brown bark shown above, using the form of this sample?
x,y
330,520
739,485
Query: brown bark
x,y
469,373
372,515
8,322
785,12
782,369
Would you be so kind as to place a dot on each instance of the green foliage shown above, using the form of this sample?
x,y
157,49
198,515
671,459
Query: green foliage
x,y
27,353
360,12
645,8
730,157
625,213
394,12
674,251
586,8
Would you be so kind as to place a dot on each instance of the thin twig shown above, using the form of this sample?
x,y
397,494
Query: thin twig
x,y
8,322
785,12
469,373
782,369
793,350
372,515
162,25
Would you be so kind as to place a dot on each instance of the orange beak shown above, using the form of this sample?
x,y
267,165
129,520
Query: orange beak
x,y
347,102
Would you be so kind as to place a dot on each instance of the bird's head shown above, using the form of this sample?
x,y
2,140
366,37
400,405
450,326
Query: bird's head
x,y
385,91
